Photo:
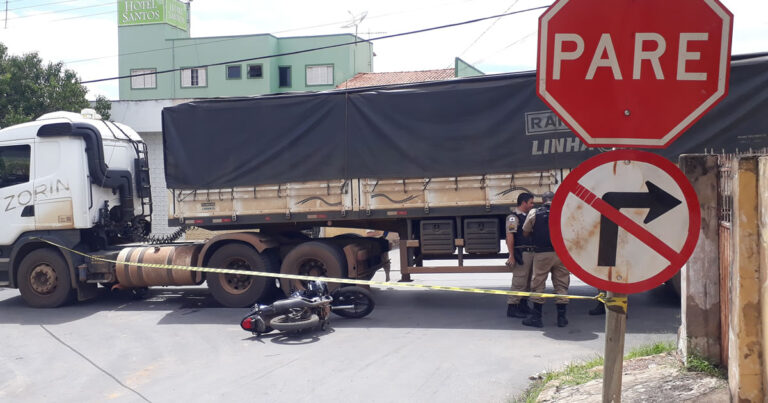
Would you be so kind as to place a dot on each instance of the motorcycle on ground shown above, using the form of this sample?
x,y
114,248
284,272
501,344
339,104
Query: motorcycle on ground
x,y
309,308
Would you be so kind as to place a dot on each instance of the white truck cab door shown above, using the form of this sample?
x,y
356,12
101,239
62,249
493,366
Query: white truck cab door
x,y
17,193
60,184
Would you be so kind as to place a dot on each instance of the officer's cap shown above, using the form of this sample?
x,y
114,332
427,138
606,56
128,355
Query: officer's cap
x,y
547,196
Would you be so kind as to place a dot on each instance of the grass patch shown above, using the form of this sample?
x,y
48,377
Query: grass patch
x,y
583,372
696,363
651,349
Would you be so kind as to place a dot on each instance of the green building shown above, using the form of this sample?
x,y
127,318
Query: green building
x,y
153,36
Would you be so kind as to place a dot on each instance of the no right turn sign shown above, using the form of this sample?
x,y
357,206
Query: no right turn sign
x,y
625,221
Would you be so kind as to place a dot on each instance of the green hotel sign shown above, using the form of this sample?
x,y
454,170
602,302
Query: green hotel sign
x,y
137,12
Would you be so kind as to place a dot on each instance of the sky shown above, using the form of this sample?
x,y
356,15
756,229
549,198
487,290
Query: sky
x,y
83,33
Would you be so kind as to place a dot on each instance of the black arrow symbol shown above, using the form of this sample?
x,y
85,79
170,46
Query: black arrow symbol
x,y
656,200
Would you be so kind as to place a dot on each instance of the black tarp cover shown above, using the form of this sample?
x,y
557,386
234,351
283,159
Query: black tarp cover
x,y
472,126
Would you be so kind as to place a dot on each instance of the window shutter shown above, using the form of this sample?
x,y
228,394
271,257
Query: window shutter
x,y
201,79
151,80
186,78
319,75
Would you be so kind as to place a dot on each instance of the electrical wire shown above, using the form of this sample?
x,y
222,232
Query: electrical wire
x,y
58,11
321,47
43,5
486,30
221,40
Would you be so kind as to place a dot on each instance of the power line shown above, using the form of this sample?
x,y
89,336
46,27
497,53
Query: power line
x,y
322,47
41,5
59,11
486,30
83,16
217,41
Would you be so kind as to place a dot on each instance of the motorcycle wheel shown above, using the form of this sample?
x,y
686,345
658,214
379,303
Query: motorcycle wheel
x,y
359,297
285,323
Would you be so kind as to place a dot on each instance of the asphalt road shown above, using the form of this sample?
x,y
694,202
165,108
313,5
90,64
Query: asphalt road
x,y
416,346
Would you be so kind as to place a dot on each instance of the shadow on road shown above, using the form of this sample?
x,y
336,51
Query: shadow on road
x,y
655,311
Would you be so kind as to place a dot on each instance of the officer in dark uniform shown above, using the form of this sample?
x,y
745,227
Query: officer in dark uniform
x,y
545,261
520,256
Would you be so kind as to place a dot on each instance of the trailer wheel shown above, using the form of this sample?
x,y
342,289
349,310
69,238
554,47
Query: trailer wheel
x,y
313,258
240,290
44,279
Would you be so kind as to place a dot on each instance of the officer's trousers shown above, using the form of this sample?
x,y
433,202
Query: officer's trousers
x,y
521,277
543,264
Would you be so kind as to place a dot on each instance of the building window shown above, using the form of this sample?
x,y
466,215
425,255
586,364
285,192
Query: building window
x,y
254,71
234,72
143,81
194,77
285,76
14,165
320,75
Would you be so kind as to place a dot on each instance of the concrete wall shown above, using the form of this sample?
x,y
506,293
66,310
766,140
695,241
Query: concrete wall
x,y
746,364
700,296
144,117
164,47
148,46
762,190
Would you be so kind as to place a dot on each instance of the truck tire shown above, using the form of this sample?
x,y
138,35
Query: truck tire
x,y
44,280
314,258
239,290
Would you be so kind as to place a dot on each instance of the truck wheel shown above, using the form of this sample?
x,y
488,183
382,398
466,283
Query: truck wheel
x,y
240,290
44,279
313,258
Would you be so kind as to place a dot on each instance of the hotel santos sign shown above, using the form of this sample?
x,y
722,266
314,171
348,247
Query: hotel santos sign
x,y
138,12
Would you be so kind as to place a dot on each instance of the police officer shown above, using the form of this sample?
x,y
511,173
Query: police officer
x,y
520,256
545,261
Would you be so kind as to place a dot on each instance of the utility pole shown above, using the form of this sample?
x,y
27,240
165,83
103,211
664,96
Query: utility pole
x,y
6,14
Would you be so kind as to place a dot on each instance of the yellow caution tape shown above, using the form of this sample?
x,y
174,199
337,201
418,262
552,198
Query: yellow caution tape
x,y
600,297
616,304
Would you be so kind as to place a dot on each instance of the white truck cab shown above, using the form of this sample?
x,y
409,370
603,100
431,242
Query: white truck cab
x,y
75,180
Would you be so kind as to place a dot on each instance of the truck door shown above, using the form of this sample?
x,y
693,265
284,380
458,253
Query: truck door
x,y
17,211
60,184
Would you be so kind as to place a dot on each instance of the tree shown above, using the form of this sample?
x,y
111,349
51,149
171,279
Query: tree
x,y
103,107
28,88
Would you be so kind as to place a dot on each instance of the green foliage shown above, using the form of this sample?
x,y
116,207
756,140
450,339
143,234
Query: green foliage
x,y
651,349
583,372
696,363
572,374
103,107
28,88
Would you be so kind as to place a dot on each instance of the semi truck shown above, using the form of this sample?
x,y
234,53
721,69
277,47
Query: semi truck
x,y
440,164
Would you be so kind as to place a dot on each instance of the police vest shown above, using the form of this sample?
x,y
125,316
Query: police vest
x,y
520,239
541,239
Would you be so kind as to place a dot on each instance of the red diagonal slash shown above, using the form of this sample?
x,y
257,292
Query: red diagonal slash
x,y
628,225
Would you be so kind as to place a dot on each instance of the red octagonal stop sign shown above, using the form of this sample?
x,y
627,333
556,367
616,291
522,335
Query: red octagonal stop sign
x,y
633,73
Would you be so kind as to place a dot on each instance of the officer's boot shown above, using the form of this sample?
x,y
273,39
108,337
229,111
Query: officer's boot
x,y
599,309
562,321
534,319
525,309
515,311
